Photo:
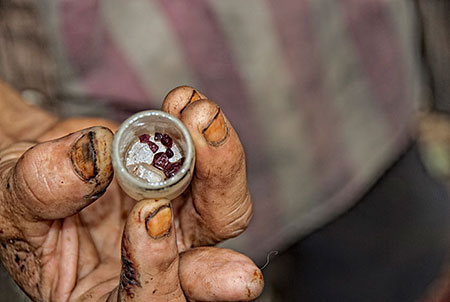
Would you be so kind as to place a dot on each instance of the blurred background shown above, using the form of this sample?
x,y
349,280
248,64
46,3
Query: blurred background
x,y
341,107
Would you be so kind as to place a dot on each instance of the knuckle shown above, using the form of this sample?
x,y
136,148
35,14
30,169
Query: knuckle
x,y
235,223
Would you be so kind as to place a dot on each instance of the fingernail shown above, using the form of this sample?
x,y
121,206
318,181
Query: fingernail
x,y
195,96
217,130
158,223
91,157
84,156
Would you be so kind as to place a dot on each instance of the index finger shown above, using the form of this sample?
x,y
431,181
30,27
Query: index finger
x,y
220,203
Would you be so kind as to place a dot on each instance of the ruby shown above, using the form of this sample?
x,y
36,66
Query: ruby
x,y
160,160
166,140
154,147
169,153
158,136
144,138
172,169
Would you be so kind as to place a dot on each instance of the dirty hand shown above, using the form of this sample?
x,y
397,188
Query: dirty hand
x,y
68,233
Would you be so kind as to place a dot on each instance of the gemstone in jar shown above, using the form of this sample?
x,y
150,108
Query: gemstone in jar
x,y
144,138
169,153
173,168
154,147
160,160
158,136
166,140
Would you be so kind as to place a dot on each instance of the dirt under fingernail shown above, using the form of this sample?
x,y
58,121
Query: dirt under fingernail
x,y
158,224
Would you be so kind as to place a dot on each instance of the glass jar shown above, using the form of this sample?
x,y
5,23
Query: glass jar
x,y
139,156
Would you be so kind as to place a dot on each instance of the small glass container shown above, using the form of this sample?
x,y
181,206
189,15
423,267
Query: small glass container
x,y
134,160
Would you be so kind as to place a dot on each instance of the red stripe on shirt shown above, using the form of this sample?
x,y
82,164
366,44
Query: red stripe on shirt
x,y
208,55
98,62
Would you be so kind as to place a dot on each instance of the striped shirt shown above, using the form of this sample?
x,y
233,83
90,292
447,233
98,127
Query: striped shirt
x,y
322,93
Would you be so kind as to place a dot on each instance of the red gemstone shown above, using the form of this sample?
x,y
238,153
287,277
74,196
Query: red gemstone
x,y
158,136
154,147
169,153
173,168
160,160
166,140
144,138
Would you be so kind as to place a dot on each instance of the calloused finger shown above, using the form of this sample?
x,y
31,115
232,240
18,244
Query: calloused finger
x,y
220,206
149,256
56,179
217,274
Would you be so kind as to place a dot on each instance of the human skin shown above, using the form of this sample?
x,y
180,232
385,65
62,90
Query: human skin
x,y
68,232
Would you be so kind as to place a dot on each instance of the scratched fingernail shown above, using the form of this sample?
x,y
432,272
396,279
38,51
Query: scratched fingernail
x,y
158,223
91,157
217,130
84,156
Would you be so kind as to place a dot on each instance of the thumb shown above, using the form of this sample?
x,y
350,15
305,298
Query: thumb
x,y
149,255
58,178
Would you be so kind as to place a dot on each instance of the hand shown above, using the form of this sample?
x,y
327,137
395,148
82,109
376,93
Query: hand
x,y
60,245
